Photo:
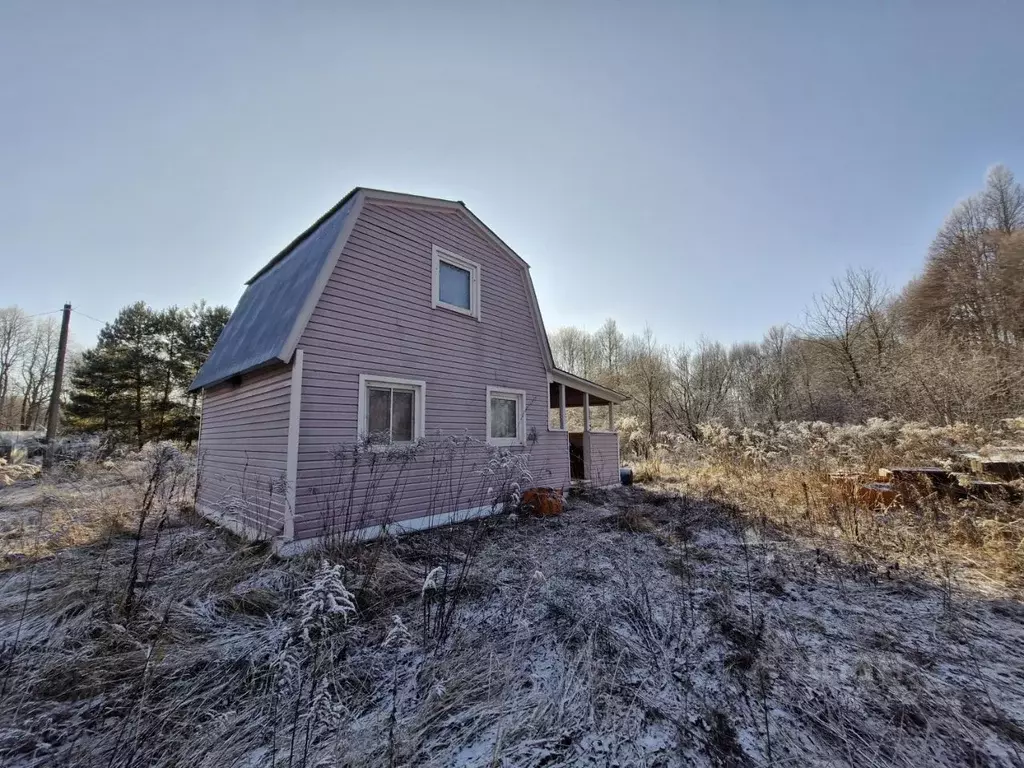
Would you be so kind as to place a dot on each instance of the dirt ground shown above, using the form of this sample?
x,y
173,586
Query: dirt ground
x,y
639,628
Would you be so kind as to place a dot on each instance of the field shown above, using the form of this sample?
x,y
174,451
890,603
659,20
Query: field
x,y
731,611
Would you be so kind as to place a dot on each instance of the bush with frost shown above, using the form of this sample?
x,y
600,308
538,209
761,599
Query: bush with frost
x,y
507,474
398,636
324,603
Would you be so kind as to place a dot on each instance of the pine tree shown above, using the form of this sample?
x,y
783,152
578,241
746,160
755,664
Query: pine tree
x,y
96,403
201,328
133,383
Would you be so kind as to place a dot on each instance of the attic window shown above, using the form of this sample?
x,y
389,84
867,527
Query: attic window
x,y
456,283
236,381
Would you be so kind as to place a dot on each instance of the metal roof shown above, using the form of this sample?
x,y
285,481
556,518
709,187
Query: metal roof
x,y
260,326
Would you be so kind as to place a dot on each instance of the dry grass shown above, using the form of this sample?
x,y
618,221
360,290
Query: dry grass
x,y
981,541
640,628
649,470
11,473
783,476
74,505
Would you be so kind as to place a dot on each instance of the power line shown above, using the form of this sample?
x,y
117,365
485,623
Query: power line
x,y
94,319
77,312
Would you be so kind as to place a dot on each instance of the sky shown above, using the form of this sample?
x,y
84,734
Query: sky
x,y
701,167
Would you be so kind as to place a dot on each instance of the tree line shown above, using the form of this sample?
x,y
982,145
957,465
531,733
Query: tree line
x,y
948,347
130,385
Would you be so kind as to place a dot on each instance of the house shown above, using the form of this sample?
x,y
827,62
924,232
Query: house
x,y
389,369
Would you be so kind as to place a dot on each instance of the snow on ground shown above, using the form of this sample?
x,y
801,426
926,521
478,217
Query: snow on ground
x,y
693,639
637,629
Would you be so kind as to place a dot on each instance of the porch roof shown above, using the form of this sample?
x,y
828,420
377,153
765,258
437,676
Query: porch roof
x,y
576,387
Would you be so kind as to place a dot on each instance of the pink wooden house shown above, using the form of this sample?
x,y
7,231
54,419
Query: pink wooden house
x,y
394,321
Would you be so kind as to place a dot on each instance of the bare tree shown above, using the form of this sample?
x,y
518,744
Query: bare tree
x,y
645,379
764,377
779,370
749,380
1010,277
610,342
1003,200
699,385
37,369
574,351
804,352
14,325
968,284
849,324
939,380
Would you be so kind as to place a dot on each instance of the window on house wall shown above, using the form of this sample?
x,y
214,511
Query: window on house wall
x,y
506,416
390,409
456,283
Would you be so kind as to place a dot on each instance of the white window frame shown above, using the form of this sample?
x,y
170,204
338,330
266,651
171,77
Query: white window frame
x,y
440,254
520,396
419,389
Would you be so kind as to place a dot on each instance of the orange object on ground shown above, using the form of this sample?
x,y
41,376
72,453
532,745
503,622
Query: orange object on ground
x,y
878,495
545,502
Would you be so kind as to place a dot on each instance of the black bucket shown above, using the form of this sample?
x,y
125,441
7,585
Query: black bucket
x,y
626,475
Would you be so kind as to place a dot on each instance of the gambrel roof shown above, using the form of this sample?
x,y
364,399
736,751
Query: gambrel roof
x,y
279,299
259,327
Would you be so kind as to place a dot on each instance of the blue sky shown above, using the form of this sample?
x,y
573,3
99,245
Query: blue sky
x,y
703,167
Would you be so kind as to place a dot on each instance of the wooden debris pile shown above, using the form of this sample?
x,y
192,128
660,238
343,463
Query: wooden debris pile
x,y
992,476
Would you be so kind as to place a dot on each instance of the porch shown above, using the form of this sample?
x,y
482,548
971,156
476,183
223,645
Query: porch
x,y
585,412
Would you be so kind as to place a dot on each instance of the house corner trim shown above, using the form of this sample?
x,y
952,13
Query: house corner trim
x,y
292,464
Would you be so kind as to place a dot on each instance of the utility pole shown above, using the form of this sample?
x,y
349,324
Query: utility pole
x,y
58,379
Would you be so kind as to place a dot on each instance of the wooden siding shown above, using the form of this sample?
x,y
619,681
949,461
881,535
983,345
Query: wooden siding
x,y
601,451
376,317
243,451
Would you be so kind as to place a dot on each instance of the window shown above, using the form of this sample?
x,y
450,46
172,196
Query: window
x,y
506,416
455,286
456,283
390,410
